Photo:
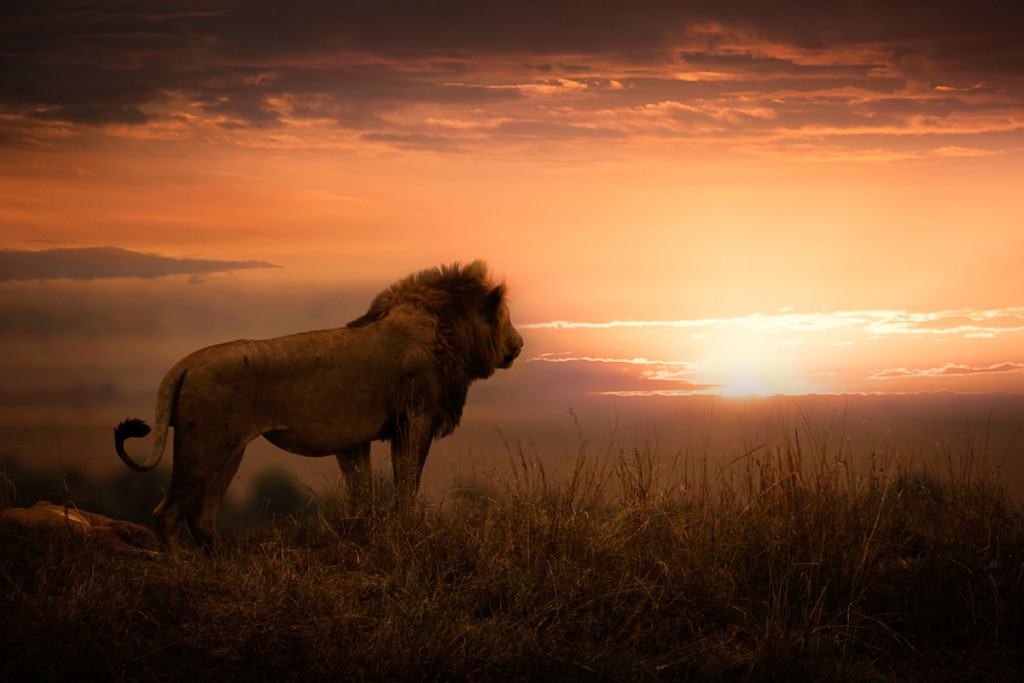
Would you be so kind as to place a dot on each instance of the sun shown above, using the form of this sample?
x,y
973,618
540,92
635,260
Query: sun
x,y
748,361
745,387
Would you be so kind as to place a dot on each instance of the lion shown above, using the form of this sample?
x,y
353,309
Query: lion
x,y
114,534
399,373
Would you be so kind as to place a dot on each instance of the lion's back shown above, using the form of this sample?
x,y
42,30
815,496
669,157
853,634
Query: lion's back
x,y
322,373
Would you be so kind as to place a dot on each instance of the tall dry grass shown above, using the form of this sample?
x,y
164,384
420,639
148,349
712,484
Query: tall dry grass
x,y
792,560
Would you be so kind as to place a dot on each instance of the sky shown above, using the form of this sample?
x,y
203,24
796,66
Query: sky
x,y
707,198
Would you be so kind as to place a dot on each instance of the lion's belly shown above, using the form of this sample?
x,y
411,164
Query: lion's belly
x,y
317,440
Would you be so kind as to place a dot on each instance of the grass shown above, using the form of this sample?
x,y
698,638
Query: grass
x,y
783,565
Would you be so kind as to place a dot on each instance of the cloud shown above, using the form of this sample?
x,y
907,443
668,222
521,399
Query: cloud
x,y
948,370
621,376
563,358
106,262
879,322
746,64
696,390
414,140
385,68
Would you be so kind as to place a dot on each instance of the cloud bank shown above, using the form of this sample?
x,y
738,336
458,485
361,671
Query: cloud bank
x,y
900,78
966,322
949,370
625,376
107,262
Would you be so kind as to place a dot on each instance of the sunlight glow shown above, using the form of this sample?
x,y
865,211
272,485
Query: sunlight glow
x,y
745,387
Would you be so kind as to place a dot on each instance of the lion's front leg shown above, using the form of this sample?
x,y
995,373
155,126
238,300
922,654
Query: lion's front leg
x,y
409,449
355,465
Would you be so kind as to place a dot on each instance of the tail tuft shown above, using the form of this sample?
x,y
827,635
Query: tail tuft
x,y
166,398
132,428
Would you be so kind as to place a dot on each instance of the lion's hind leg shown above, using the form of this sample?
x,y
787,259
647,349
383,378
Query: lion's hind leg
x,y
200,475
204,507
168,514
167,521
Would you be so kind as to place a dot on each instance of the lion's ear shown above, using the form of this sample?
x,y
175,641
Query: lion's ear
x,y
495,298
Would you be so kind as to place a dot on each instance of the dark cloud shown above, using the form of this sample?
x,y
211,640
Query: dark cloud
x,y
751,63
635,28
353,96
414,140
106,262
553,130
267,32
261,64
45,86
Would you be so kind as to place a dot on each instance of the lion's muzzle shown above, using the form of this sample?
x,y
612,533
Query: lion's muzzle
x,y
517,348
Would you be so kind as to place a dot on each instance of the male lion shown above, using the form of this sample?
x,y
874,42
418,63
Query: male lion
x,y
398,373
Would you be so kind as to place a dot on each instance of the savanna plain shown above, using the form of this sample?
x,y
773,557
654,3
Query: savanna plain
x,y
797,558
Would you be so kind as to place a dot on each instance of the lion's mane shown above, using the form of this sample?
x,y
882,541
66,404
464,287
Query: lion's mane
x,y
466,307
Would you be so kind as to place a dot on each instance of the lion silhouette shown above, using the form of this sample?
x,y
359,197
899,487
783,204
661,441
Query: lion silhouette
x,y
399,373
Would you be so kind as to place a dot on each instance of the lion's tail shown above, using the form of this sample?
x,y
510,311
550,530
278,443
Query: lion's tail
x,y
133,427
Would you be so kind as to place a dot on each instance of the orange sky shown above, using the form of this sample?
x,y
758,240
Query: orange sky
x,y
712,201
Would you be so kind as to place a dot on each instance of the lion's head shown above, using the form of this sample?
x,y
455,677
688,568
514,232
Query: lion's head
x,y
475,330
507,341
